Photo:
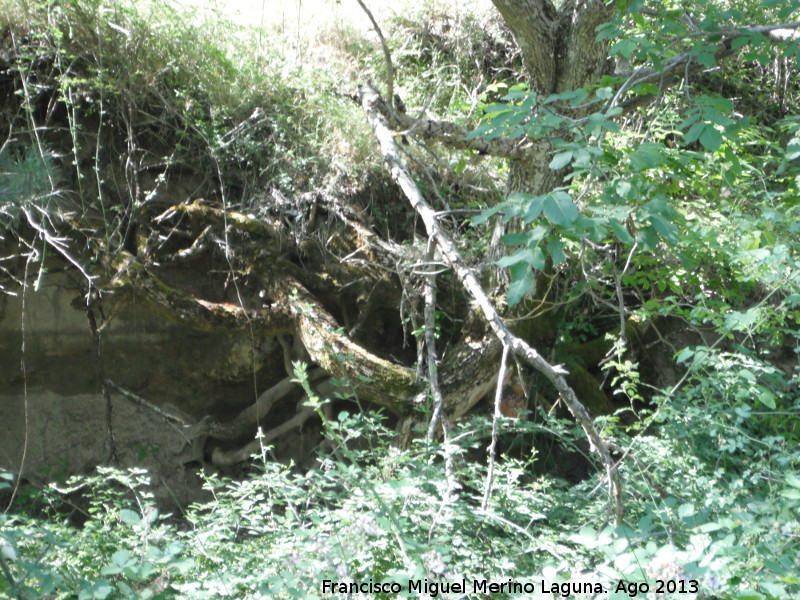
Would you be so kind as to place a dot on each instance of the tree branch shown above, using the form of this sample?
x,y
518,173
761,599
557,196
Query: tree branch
x,y
678,67
455,136
288,308
554,373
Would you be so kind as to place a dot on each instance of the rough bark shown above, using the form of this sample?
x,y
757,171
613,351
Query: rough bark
x,y
455,136
560,53
534,26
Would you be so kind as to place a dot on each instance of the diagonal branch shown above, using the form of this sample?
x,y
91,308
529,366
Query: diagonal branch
x,y
554,373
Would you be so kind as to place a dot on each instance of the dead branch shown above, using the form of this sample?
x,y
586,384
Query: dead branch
x,y
204,213
554,373
287,308
222,458
387,55
371,377
429,284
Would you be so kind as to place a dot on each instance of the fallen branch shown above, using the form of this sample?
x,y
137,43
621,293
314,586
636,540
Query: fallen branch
x,y
370,98
222,459
287,308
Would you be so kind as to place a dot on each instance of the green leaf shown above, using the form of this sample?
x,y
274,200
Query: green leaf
x,y
706,59
560,209
516,239
648,238
644,89
791,493
793,149
129,517
98,591
561,160
624,47
604,93
684,355
522,282
740,42
488,214
530,256
537,260
480,130
694,132
523,255
536,235
576,96
767,398
556,251
586,536
664,228
711,138
647,155
496,108
183,565
742,321
622,233
534,208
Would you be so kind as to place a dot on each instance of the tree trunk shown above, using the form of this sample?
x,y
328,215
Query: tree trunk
x,y
560,53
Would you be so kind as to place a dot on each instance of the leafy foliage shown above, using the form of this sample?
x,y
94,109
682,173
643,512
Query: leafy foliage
x,y
684,211
28,183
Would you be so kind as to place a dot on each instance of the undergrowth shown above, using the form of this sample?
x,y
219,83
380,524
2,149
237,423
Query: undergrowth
x,y
373,513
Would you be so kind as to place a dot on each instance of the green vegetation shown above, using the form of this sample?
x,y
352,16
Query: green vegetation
x,y
727,520
666,265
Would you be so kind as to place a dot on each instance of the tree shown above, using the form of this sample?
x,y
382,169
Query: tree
x,y
565,52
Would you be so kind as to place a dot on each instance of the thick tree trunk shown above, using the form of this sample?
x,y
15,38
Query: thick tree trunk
x,y
560,53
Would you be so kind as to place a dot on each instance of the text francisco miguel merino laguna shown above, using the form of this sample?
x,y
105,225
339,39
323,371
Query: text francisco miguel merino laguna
x,y
478,586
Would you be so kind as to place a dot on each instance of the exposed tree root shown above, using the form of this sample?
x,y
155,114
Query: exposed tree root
x,y
247,420
224,459
290,309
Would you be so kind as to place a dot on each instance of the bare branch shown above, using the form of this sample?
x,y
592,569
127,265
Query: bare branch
x,y
221,458
554,373
498,398
430,346
386,54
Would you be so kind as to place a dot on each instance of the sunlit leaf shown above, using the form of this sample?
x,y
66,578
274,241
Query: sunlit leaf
x,y
561,160
522,282
560,209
